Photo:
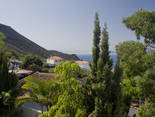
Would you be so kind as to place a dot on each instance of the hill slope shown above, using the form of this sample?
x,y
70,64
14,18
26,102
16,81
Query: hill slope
x,y
21,44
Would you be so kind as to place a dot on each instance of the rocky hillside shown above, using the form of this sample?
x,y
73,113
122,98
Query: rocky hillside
x,y
21,44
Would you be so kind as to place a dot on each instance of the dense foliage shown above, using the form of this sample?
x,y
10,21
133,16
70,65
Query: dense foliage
x,y
105,92
71,99
96,48
142,23
138,73
103,86
8,83
41,91
33,63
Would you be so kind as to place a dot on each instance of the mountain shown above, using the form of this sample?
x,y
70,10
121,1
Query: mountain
x,y
22,45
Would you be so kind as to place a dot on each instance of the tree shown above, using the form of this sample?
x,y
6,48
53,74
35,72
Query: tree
x,y
32,62
138,67
71,100
102,101
67,70
4,75
93,65
142,23
116,98
96,48
2,36
70,103
104,57
146,85
7,84
41,91
131,56
103,76
146,110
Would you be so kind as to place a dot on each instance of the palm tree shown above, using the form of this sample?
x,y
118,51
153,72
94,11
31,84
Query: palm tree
x,y
40,91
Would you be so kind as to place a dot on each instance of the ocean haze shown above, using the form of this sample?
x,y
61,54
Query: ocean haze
x,y
87,57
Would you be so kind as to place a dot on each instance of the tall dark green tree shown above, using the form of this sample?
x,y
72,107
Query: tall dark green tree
x,y
103,102
104,75
104,57
7,82
108,95
2,36
96,48
116,98
4,75
89,82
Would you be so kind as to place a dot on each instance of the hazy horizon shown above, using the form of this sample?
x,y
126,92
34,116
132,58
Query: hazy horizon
x,y
67,25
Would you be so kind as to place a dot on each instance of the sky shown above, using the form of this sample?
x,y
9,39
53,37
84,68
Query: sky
x,y
67,25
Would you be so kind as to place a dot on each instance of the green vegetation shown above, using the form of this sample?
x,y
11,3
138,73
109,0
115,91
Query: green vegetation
x,y
8,83
41,91
35,63
32,62
143,24
139,64
103,92
101,85
2,36
70,101
146,110
96,48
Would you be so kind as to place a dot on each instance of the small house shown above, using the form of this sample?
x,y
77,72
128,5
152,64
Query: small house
x,y
83,64
54,60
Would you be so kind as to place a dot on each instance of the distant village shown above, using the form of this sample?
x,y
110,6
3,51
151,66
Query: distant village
x,y
51,61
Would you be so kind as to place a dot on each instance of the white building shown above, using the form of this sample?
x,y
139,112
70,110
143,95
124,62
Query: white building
x,y
83,64
54,60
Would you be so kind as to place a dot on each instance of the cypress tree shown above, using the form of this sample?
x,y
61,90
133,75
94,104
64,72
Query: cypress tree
x,y
98,107
7,80
103,84
116,91
4,75
96,48
104,73
104,57
91,80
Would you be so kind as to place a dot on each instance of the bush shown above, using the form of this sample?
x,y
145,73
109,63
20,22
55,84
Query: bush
x,y
146,110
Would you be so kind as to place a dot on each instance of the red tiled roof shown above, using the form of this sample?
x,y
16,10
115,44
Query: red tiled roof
x,y
81,62
55,57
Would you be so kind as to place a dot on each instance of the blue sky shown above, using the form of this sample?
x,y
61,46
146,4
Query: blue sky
x,y
67,25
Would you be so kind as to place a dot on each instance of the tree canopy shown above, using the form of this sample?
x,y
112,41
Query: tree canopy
x,y
96,46
142,23
32,62
71,99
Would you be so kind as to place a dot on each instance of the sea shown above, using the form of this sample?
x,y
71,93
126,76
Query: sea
x,y
87,57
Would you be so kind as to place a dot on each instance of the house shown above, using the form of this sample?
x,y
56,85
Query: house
x,y
54,60
83,64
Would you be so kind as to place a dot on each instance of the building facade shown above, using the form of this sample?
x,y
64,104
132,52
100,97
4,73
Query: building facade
x,y
54,60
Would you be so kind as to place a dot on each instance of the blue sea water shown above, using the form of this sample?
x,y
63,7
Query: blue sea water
x,y
87,57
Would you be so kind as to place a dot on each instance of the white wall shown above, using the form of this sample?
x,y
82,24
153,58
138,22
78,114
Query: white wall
x,y
53,61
